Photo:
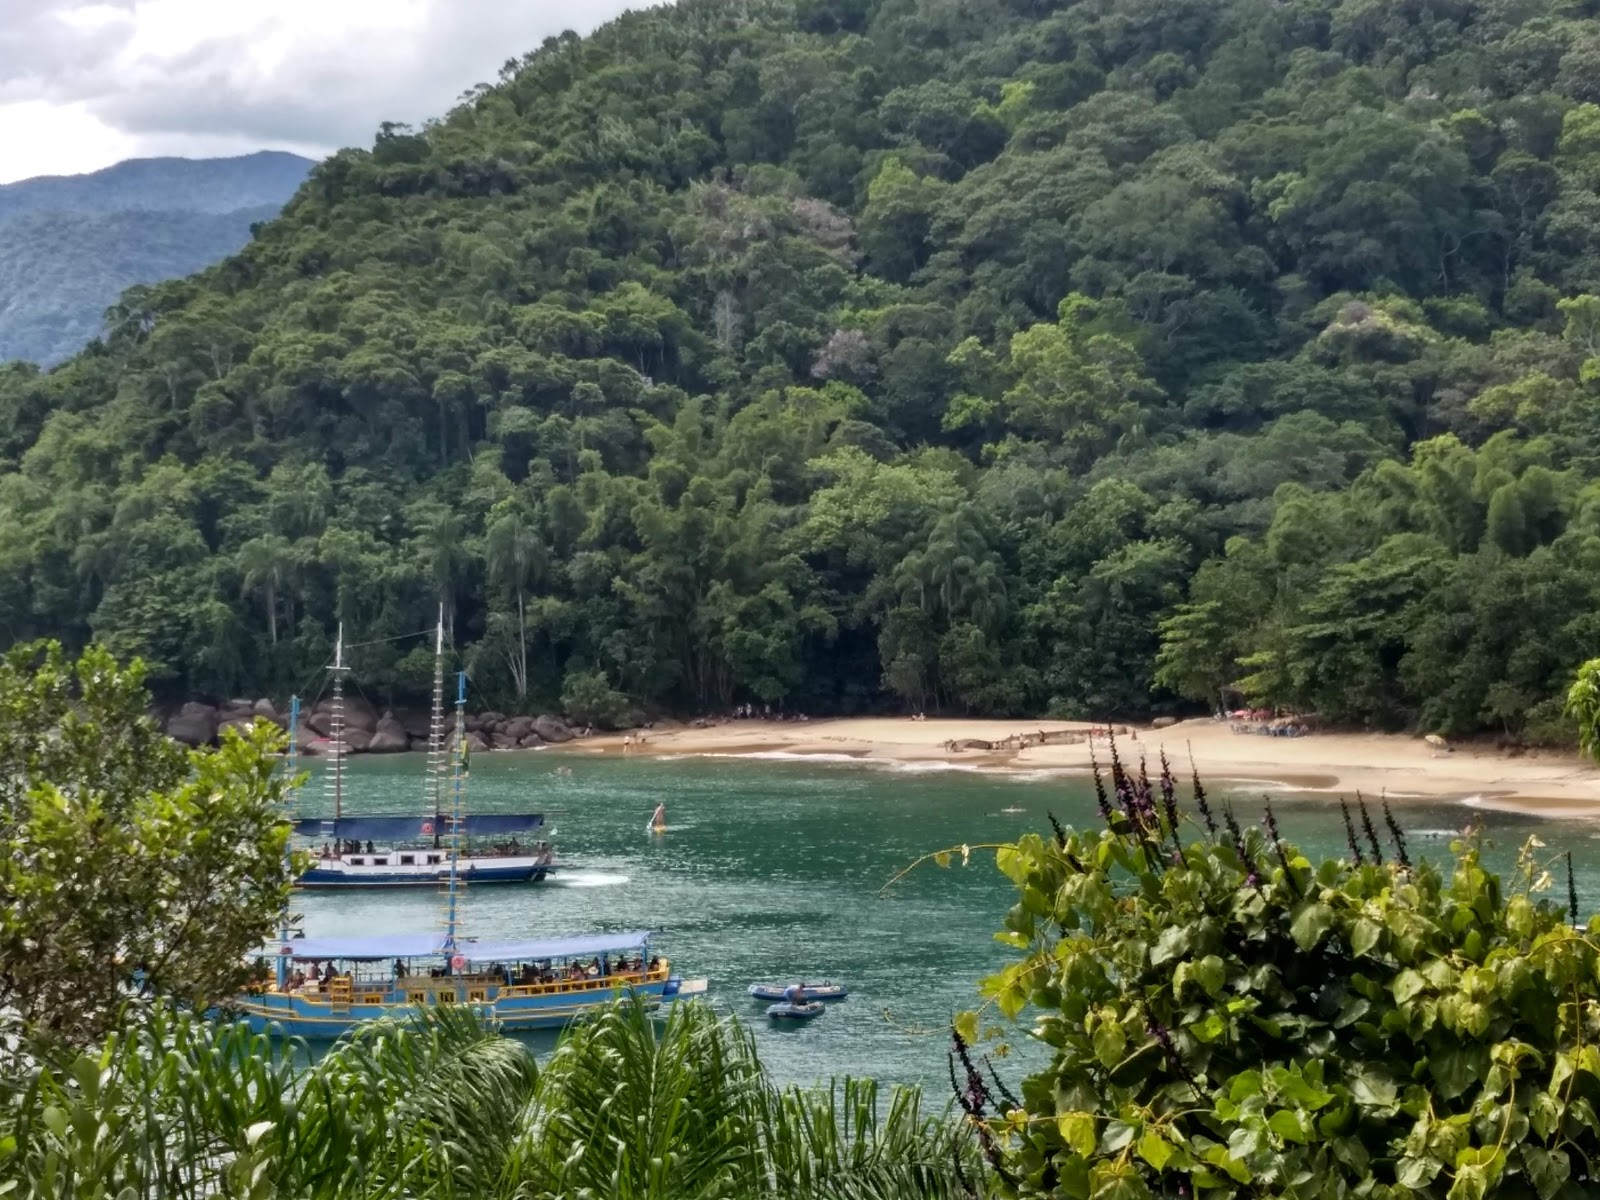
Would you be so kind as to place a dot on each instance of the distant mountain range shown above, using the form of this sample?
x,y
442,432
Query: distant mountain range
x,y
70,244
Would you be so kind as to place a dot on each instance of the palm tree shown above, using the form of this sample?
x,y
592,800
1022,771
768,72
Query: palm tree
x,y
265,564
624,1107
516,561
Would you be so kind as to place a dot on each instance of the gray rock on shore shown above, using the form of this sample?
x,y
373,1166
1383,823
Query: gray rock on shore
x,y
552,729
389,737
194,724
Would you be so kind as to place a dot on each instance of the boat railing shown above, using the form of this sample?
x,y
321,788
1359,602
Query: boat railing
x,y
589,983
377,990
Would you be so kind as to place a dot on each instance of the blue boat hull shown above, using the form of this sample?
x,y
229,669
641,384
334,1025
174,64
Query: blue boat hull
x,y
317,1017
780,991
319,877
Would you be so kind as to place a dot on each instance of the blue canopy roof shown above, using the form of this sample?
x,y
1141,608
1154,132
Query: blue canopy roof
x,y
391,829
371,947
578,946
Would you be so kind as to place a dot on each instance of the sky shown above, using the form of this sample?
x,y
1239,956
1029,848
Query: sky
x,y
86,83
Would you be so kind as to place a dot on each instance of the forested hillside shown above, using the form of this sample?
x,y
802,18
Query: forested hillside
x,y
70,244
1003,355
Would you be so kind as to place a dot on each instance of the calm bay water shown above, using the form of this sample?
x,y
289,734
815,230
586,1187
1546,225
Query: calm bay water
x,y
771,870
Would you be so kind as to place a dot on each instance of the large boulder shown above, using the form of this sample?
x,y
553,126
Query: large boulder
x,y
264,709
242,724
416,723
194,724
552,729
321,722
517,727
389,737
359,714
491,720
474,723
322,746
531,742
503,741
358,740
1163,722
476,742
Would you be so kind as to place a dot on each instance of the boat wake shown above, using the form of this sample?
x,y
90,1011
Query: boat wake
x,y
588,879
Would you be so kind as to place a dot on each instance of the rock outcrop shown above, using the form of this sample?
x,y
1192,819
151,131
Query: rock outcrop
x,y
552,729
389,737
194,724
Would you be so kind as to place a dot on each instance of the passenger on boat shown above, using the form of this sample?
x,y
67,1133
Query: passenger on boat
x,y
370,850
399,968
327,851
655,963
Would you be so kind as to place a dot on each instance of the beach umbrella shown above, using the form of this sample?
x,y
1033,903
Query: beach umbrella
x,y
1433,739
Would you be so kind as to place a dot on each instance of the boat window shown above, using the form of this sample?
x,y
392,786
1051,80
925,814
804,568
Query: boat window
x,y
478,995
444,997
358,862
417,997
380,862
435,858
372,998
407,859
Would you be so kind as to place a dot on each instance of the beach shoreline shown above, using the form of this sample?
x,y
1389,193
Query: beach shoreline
x,y
1538,783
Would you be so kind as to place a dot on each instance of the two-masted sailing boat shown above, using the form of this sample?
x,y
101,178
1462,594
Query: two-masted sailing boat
x,y
379,850
324,986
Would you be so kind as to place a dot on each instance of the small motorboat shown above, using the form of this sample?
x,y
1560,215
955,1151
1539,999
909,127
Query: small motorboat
x,y
787,1011
784,991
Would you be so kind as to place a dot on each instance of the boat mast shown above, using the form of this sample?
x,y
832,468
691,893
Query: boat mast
x,y
282,971
335,776
433,781
458,775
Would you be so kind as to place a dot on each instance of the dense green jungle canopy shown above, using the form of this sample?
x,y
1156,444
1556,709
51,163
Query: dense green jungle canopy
x,y
999,355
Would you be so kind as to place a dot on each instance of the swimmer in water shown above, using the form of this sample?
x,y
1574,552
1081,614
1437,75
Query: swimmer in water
x,y
658,819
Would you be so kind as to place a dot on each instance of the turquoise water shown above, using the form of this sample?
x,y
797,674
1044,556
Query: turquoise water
x,y
771,870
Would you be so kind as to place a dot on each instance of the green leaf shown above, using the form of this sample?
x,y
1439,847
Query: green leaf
x,y
1364,935
1417,1172
1156,1150
1291,1126
1311,924
1173,943
1210,973
1452,1071
1012,864
1374,1089
1117,1136
1078,1132
1110,1043
942,858
1116,1181
966,1026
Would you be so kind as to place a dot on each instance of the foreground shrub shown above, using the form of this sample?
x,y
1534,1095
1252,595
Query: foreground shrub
x,y
1229,1019
626,1107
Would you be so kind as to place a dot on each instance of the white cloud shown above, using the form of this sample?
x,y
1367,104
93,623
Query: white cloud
x,y
84,83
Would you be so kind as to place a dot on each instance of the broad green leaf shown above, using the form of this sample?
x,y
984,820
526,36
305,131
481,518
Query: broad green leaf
x,y
966,1027
1291,1126
1364,935
1110,1043
1078,1132
1156,1150
1311,924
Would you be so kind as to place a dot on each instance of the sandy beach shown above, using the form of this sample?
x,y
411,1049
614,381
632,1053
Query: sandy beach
x,y
1547,783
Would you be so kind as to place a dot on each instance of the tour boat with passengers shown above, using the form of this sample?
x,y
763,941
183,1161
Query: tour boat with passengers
x,y
324,986
386,851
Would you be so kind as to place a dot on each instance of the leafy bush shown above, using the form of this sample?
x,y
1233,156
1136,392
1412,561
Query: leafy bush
x,y
1228,1018
590,699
